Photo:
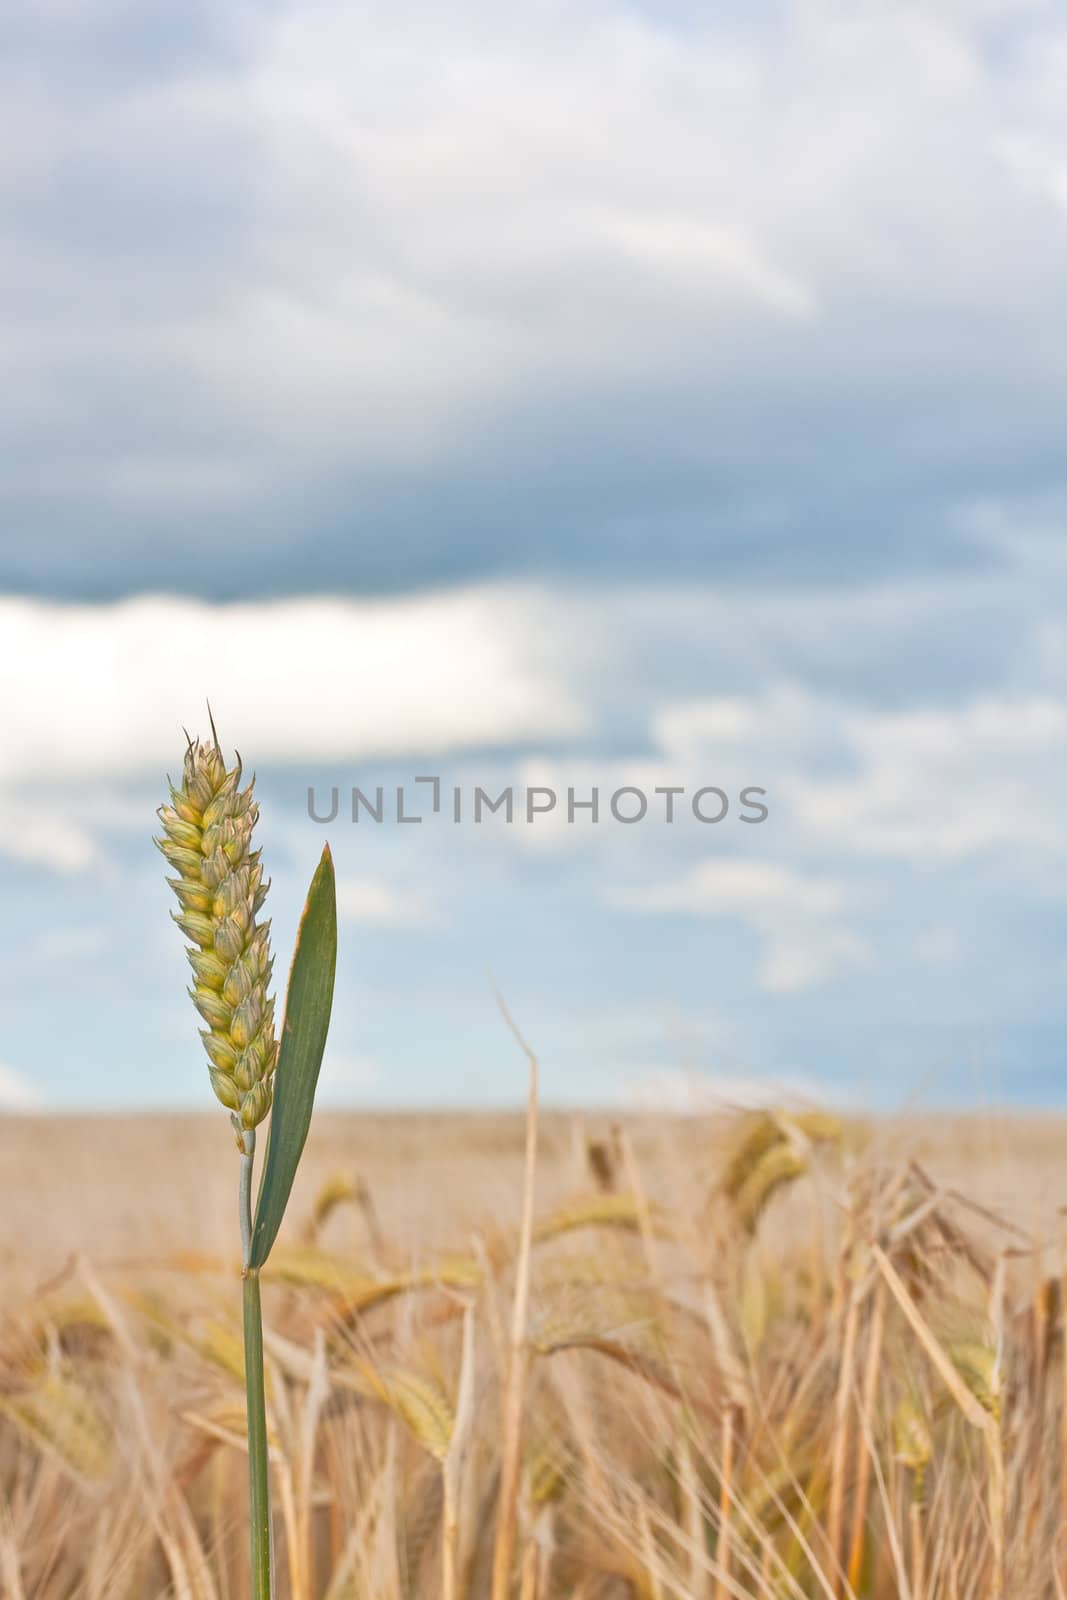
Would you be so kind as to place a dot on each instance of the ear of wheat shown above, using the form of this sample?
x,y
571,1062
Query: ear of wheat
x,y
207,839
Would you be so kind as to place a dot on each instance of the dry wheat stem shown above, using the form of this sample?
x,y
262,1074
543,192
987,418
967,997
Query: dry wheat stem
x,y
722,1553
870,1389
511,1453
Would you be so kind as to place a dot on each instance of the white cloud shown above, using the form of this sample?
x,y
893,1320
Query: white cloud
x,y
38,831
691,726
944,785
378,902
17,1093
729,888
699,258
1041,168
797,916
930,783
104,690
781,721
100,694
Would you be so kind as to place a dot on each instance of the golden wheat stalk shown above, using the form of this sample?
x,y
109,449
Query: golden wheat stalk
x,y
913,1448
861,1490
518,1352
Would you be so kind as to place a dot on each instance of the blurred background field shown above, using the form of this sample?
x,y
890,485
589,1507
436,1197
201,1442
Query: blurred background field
x,y
765,1354
118,1187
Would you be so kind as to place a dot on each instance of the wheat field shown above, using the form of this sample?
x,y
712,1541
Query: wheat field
x,y
760,1354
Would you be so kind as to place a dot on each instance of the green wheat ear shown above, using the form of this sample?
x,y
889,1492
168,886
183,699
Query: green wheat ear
x,y
207,840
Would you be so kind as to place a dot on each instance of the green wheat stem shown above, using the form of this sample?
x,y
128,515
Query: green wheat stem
x,y
258,1465
244,1195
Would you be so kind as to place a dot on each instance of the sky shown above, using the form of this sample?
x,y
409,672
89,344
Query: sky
x,y
544,398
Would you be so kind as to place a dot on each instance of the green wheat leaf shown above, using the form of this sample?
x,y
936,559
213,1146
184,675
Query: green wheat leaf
x,y
303,1040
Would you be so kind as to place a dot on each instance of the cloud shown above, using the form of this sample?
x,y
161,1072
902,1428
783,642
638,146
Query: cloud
x,y
368,296
104,691
797,916
1039,167
17,1093
939,784
715,888
696,258
382,904
38,831
691,726
976,774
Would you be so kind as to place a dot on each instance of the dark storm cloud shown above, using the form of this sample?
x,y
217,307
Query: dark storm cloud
x,y
296,300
